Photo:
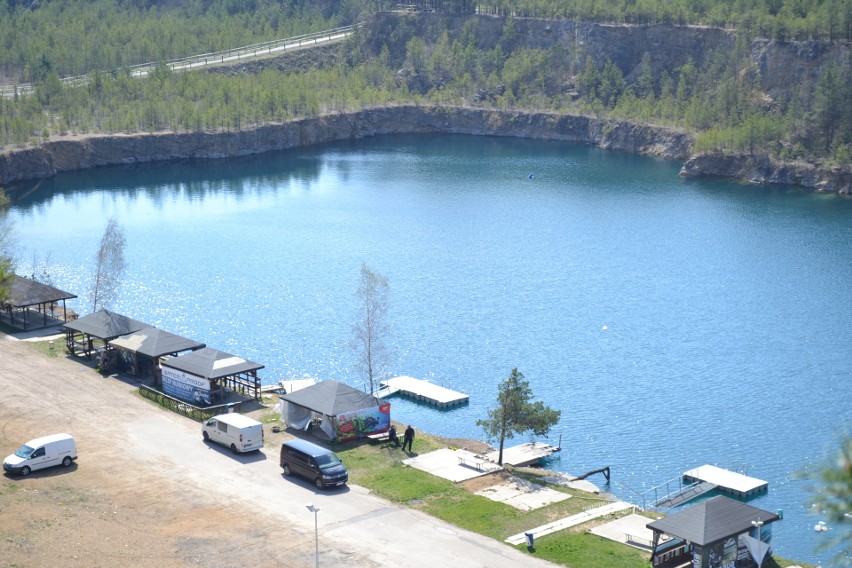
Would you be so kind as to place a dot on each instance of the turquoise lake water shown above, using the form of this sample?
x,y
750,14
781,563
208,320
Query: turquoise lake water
x,y
674,322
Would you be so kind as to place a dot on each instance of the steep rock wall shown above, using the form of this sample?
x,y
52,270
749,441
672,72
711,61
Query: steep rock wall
x,y
760,169
58,156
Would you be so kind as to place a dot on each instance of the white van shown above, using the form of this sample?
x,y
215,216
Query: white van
x,y
58,449
238,432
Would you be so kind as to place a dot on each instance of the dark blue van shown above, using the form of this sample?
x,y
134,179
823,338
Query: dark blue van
x,y
313,462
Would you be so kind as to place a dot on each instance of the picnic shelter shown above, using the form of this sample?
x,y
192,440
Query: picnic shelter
x,y
92,333
719,532
203,376
32,304
143,349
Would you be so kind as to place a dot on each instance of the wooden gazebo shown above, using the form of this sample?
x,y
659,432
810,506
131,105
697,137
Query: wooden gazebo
x,y
716,533
32,304
145,347
103,326
203,375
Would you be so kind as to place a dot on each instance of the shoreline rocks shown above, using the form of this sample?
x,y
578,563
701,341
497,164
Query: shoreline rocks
x,y
89,151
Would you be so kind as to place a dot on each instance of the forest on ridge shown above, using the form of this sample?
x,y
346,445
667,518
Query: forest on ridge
x,y
455,59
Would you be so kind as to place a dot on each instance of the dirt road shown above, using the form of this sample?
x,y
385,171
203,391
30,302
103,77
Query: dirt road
x,y
146,491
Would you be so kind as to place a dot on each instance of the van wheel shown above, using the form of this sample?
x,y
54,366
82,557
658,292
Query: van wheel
x,y
206,437
318,482
25,470
66,461
233,448
286,469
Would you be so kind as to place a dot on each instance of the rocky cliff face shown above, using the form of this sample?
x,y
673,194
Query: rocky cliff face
x,y
779,67
760,169
65,155
89,152
670,47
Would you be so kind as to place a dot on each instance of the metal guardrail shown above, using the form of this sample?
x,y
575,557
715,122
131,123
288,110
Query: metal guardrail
x,y
207,59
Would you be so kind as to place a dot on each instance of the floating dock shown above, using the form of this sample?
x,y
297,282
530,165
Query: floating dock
x,y
730,482
525,454
422,390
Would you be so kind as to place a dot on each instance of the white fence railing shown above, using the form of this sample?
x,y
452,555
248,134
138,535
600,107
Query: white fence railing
x,y
205,59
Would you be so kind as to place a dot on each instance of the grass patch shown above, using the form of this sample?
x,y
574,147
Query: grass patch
x,y
270,417
588,550
379,467
44,347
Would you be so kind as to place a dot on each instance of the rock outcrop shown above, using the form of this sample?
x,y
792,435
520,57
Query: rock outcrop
x,y
58,156
760,169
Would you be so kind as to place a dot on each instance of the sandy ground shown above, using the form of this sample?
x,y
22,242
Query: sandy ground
x,y
146,491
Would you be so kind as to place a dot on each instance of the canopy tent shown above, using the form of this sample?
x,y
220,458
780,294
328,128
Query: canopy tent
x,y
719,530
340,411
27,296
200,376
103,325
146,346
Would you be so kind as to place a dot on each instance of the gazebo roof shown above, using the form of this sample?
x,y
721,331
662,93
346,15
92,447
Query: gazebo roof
x,y
155,342
105,325
211,364
332,398
26,292
712,520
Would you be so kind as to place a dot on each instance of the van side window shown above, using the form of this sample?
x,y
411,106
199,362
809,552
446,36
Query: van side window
x,y
38,453
222,426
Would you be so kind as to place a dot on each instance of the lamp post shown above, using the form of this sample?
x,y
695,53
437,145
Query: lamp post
x,y
314,509
758,523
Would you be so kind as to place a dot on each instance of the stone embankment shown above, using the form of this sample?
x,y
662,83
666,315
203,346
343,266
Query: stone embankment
x,y
82,152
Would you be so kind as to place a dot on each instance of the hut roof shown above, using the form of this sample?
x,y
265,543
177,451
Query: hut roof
x,y
332,398
155,342
26,292
211,364
105,325
712,520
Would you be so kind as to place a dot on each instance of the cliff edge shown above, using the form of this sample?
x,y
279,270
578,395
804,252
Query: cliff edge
x,y
91,151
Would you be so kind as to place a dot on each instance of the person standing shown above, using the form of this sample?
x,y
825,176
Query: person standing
x,y
408,438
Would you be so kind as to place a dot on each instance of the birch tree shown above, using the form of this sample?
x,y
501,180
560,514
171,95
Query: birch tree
x,y
371,329
109,266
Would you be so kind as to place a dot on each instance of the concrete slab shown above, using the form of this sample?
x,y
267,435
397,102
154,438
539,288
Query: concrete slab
x,y
522,494
573,520
445,463
628,530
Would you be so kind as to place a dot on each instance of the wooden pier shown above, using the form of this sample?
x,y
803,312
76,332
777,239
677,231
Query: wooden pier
x,y
422,390
730,482
524,454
